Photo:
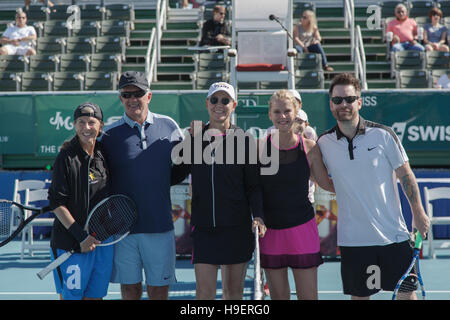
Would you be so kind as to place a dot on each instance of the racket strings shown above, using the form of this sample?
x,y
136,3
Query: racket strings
x,y
113,217
5,222
408,285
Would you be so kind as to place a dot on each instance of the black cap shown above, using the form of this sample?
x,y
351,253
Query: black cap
x,y
88,109
134,78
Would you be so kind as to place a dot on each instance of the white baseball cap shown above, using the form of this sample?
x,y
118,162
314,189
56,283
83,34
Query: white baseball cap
x,y
296,94
222,86
302,115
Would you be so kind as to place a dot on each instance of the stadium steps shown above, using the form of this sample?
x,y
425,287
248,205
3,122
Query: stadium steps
x,y
336,43
177,63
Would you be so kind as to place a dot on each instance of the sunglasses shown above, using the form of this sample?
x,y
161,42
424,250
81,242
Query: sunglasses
x,y
129,94
349,99
215,100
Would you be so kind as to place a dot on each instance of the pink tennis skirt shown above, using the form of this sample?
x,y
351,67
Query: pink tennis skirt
x,y
296,247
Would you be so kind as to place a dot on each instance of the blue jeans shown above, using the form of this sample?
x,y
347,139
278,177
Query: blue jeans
x,y
401,46
316,48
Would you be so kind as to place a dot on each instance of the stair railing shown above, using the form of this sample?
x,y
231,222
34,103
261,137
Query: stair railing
x,y
150,58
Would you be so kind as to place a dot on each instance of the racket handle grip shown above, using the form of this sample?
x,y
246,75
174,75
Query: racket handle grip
x,y
57,262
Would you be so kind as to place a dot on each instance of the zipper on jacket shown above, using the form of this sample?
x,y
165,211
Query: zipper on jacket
x,y
213,154
88,186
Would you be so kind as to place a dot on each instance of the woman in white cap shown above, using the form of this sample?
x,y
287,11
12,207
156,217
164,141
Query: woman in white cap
x,y
80,180
292,239
226,198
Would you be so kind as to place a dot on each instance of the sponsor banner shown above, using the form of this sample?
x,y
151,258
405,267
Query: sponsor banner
x,y
17,125
39,124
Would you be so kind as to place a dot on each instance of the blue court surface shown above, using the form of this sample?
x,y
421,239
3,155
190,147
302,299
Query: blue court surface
x,y
18,280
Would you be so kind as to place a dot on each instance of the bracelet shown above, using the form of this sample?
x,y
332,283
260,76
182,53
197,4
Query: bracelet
x,y
77,232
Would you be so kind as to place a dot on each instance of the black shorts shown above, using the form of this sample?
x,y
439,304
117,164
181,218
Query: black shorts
x,y
367,270
223,245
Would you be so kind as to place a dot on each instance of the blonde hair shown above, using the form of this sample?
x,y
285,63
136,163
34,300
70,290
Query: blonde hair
x,y
284,94
312,19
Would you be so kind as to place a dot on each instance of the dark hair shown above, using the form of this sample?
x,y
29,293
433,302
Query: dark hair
x,y
218,8
345,79
434,11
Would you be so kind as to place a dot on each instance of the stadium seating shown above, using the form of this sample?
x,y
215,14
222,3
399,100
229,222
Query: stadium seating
x,y
43,63
412,79
105,62
35,81
8,81
407,60
437,60
67,81
73,62
308,61
94,80
435,74
13,63
310,79
49,45
204,79
418,8
84,45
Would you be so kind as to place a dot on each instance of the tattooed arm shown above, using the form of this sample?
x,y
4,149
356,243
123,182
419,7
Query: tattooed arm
x,y
411,190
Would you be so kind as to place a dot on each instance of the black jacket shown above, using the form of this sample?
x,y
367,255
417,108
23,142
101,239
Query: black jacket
x,y
226,194
210,31
79,182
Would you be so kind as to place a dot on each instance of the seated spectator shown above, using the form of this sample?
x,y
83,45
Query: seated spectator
x,y
215,31
435,34
50,4
404,31
444,81
184,4
17,39
307,37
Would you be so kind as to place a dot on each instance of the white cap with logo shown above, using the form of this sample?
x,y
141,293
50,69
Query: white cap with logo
x,y
296,94
222,86
302,115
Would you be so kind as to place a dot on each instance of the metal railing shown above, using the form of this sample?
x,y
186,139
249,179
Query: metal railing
x,y
150,58
360,59
358,55
349,22
153,53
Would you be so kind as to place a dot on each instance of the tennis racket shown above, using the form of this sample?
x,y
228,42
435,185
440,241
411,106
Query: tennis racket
x,y
411,279
258,282
109,222
13,210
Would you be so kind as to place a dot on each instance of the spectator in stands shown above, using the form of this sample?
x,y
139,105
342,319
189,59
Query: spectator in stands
x,y
138,148
444,81
45,2
435,35
307,37
17,39
404,31
215,31
184,4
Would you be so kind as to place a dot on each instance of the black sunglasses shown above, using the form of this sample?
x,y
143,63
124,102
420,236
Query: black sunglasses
x,y
129,94
215,100
349,99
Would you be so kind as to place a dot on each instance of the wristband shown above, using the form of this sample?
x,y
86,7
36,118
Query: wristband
x,y
77,232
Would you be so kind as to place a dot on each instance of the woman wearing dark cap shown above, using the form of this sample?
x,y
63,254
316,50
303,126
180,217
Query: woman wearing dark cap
x,y
80,180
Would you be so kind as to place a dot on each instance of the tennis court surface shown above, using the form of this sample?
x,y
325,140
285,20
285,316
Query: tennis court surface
x,y
18,280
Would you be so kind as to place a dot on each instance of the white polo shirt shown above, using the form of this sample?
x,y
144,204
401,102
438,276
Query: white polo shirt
x,y
362,169
14,32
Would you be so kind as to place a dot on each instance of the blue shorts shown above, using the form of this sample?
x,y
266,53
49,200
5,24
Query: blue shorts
x,y
152,252
84,275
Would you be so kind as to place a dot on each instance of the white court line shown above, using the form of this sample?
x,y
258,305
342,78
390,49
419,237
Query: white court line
x,y
192,291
